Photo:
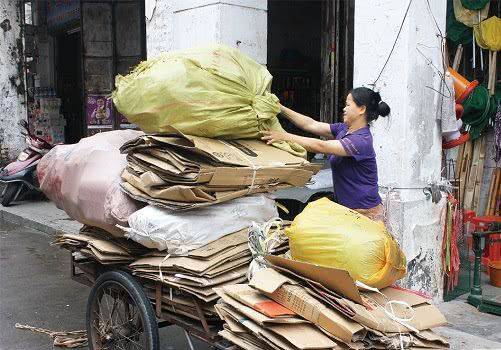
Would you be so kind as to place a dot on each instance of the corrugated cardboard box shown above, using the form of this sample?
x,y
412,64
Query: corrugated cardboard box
x,y
281,335
371,312
256,300
296,298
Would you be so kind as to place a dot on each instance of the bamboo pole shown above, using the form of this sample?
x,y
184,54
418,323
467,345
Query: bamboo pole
x,y
480,175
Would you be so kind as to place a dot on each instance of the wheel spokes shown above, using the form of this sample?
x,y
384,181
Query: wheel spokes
x,y
118,322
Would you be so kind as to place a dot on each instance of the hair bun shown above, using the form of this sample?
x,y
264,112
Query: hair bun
x,y
383,109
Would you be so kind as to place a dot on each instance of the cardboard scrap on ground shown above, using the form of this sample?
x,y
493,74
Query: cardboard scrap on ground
x,y
181,172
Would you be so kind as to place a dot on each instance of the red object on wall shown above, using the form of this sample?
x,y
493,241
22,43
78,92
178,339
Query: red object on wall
x,y
492,251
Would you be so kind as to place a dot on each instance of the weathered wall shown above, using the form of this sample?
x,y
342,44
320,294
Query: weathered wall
x,y
159,26
12,108
408,143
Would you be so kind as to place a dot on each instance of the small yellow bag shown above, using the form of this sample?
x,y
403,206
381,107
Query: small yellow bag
x,y
328,234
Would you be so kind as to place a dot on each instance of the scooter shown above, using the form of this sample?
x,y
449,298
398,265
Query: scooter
x,y
21,174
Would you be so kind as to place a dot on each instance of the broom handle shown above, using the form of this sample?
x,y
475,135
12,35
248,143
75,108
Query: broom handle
x,y
480,49
473,48
492,73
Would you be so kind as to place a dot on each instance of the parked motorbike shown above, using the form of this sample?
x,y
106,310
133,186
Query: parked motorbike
x,y
20,175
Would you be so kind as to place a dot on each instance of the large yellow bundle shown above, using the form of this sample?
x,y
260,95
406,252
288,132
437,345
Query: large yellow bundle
x,y
328,234
215,92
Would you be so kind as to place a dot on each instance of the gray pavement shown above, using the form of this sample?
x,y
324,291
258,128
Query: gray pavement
x,y
468,328
40,215
36,289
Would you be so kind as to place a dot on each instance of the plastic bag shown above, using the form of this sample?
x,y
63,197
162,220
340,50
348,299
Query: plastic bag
x,y
215,92
328,234
181,232
83,179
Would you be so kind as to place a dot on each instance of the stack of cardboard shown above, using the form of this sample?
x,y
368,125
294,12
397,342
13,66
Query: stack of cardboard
x,y
101,246
177,303
182,172
224,261
344,316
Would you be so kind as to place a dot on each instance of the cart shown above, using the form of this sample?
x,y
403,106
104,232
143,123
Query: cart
x,y
125,312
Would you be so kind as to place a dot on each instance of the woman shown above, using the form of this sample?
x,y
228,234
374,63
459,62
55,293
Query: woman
x,y
349,146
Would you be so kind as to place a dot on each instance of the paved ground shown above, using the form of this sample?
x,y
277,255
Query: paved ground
x,y
35,288
40,215
468,328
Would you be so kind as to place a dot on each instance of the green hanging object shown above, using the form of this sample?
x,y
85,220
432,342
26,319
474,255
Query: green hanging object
x,y
474,4
457,32
476,111
495,101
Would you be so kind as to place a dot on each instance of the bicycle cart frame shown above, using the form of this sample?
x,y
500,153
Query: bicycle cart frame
x,y
199,328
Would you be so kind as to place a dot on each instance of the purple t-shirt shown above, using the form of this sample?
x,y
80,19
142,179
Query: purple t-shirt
x,y
355,176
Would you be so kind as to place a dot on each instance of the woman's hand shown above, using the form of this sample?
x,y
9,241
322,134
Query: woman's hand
x,y
282,110
275,136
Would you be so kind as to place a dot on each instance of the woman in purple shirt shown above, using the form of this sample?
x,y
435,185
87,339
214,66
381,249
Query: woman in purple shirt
x,y
349,146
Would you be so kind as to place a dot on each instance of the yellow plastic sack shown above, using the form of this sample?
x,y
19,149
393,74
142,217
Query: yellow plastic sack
x,y
328,234
488,34
215,92
468,17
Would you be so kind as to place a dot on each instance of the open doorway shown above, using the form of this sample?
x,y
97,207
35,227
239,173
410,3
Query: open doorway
x,y
310,55
294,34
69,83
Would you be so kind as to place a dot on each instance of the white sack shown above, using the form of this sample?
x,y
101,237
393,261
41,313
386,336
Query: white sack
x,y
180,232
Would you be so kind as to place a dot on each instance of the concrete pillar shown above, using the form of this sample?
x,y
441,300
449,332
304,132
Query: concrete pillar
x,y
159,26
408,143
235,23
12,107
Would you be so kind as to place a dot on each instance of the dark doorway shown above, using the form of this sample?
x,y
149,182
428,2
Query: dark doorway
x,y
69,83
310,55
294,29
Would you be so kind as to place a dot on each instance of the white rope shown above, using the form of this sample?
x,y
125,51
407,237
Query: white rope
x,y
388,308
262,242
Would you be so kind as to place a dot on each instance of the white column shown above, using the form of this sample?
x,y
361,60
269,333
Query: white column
x,y
408,143
235,23
12,108
159,26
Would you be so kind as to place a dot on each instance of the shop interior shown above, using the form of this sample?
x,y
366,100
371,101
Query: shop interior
x,y
69,87
294,31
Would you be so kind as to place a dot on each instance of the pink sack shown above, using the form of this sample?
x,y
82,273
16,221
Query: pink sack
x,y
83,179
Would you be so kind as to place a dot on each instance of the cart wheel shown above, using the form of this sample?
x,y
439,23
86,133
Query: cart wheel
x,y
119,315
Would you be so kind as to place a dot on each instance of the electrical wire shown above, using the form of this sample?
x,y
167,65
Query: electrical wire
x,y
394,43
